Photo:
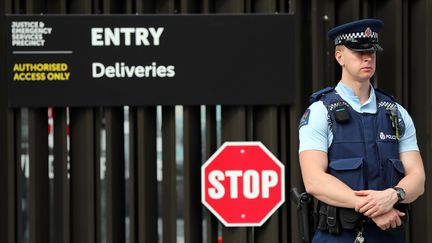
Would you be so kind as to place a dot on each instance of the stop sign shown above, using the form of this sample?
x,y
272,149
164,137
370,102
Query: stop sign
x,y
242,184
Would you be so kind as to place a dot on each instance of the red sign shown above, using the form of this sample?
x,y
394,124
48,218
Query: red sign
x,y
242,184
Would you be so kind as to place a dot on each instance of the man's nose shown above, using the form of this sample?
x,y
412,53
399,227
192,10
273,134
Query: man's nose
x,y
367,56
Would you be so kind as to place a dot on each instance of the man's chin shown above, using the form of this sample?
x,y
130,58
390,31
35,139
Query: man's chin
x,y
366,77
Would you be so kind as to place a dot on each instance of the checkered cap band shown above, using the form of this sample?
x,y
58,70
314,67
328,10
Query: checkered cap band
x,y
357,35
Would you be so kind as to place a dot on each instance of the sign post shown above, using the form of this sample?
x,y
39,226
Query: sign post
x,y
242,184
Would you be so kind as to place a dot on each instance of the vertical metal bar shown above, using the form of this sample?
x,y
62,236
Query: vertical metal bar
x,y
61,205
14,174
131,186
191,176
405,54
146,181
192,160
208,6
428,111
21,183
6,7
129,6
266,131
365,11
210,148
264,6
303,89
283,137
294,172
250,122
38,196
7,148
302,53
167,6
145,6
39,183
115,171
80,6
356,9
18,7
189,6
7,160
84,164
98,114
113,6
115,160
234,124
3,127
229,6
390,72
169,167
330,63
169,200
234,129
56,6
420,106
319,45
347,11
35,6
82,176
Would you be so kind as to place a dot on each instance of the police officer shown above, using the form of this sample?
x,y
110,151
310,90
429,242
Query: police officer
x,y
358,147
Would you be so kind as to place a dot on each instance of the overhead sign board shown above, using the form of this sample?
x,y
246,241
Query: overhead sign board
x,y
110,60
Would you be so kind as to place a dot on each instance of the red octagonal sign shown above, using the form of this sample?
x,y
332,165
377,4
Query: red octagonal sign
x,y
242,184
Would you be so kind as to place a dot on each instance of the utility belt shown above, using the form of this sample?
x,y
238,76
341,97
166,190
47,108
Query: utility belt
x,y
316,215
333,219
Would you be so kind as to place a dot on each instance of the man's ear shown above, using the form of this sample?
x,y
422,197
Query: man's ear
x,y
339,57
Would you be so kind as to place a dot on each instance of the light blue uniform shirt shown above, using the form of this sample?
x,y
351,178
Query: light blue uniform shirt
x,y
315,134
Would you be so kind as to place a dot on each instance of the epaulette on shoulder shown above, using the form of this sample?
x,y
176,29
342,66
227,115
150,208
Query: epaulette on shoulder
x,y
317,95
382,92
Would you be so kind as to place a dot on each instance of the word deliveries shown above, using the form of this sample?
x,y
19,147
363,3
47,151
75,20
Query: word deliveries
x,y
121,70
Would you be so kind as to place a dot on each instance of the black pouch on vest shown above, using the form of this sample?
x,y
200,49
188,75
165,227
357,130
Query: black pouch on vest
x,y
349,219
322,218
341,114
332,220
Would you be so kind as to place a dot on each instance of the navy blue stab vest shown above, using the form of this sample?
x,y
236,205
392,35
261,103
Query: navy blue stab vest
x,y
364,151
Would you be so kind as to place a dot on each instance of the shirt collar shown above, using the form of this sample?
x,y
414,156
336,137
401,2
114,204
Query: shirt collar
x,y
348,95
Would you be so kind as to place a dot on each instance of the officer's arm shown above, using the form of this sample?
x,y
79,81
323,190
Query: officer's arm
x,y
414,180
322,185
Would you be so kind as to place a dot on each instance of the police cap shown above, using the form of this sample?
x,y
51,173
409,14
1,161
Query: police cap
x,y
359,35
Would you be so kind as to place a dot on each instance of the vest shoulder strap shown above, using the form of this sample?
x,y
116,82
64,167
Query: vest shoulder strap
x,y
317,95
381,94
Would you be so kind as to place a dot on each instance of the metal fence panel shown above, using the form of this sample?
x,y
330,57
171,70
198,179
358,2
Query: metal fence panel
x,y
61,189
169,175
38,195
191,176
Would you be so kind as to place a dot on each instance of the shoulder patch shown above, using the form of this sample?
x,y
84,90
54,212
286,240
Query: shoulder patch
x,y
305,118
